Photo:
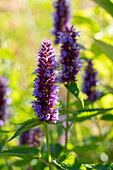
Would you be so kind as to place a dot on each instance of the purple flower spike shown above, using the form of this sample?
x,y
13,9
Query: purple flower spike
x,y
2,100
90,81
31,137
45,90
69,55
60,17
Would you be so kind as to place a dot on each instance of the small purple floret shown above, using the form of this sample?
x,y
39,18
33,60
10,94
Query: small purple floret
x,y
45,90
61,17
69,55
90,82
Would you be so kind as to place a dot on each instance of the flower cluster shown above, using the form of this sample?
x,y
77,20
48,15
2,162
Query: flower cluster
x,y
2,100
31,137
69,54
60,17
90,81
45,90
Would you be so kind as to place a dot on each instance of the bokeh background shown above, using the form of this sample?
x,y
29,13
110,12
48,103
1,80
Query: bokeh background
x,y
23,25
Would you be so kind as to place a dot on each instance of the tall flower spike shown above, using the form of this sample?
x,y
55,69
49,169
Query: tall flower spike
x,y
69,55
2,100
60,17
31,137
90,81
45,90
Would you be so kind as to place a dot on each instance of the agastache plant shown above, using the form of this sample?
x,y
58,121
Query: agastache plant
x,y
2,100
61,17
45,90
69,55
31,137
70,63
90,82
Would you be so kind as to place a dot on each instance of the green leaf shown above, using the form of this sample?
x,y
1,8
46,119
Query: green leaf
x,y
73,88
69,162
107,117
56,150
22,152
100,166
21,162
4,131
85,114
64,111
26,126
107,5
87,102
105,48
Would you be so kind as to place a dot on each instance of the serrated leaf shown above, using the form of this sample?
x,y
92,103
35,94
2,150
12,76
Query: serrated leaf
x,y
22,152
100,166
85,114
107,5
26,126
69,162
104,48
73,88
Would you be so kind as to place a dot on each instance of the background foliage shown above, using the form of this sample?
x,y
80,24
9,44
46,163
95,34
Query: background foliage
x,y
23,25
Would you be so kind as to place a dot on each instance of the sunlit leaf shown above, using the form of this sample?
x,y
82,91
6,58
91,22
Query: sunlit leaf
x,y
22,152
100,166
73,88
69,162
26,126
107,5
85,114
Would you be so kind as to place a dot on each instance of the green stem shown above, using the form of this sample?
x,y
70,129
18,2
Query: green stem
x,y
48,148
67,125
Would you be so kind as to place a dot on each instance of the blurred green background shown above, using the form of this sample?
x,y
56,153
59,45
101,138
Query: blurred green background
x,y
23,25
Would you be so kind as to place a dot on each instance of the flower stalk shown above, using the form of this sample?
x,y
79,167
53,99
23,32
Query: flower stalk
x,y
67,123
48,148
